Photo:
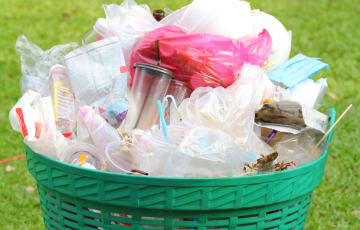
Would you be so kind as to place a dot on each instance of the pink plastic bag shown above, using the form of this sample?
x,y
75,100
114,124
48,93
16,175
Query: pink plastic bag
x,y
200,59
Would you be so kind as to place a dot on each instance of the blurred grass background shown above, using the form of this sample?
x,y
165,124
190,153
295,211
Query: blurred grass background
x,y
328,29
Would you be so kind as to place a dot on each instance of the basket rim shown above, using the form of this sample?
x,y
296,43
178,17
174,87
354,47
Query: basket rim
x,y
185,182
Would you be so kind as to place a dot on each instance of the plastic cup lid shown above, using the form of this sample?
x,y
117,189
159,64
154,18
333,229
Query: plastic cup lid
x,y
154,67
56,66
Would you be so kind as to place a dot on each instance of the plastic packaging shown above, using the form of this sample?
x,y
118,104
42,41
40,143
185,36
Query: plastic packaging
x,y
51,142
73,154
230,110
129,22
200,59
297,69
60,89
122,157
290,116
35,63
101,132
228,18
194,152
99,77
25,101
97,33
150,84
281,42
257,146
309,93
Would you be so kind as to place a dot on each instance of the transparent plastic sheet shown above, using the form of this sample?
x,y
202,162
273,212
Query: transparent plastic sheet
x,y
291,117
230,110
309,93
35,63
82,133
194,152
101,132
200,59
298,147
129,22
51,142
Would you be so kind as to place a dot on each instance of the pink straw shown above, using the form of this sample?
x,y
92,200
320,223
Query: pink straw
x,y
81,111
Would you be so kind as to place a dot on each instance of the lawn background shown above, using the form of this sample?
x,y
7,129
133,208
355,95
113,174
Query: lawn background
x,y
324,28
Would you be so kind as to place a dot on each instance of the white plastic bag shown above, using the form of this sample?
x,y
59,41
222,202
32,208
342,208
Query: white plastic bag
x,y
195,152
281,41
129,22
35,63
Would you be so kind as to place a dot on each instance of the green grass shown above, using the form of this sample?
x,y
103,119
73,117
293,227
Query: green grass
x,y
324,28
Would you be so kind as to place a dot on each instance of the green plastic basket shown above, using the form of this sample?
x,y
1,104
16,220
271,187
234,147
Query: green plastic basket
x,y
69,195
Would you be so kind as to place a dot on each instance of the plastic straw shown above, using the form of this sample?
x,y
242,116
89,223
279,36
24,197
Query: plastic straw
x,y
81,111
162,119
12,158
56,102
271,136
32,81
332,127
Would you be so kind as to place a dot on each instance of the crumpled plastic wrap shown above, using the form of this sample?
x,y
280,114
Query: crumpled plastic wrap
x,y
194,152
230,110
36,63
129,22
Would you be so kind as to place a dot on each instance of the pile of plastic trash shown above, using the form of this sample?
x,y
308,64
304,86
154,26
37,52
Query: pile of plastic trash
x,y
207,91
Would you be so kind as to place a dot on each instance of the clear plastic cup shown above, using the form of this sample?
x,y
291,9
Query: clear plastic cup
x,y
150,84
179,90
97,33
122,157
73,153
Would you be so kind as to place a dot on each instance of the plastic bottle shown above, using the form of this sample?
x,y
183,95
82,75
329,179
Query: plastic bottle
x,y
97,33
63,99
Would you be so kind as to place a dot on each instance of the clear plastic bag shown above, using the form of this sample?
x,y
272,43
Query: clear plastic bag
x,y
194,152
35,63
129,22
299,148
230,110
200,59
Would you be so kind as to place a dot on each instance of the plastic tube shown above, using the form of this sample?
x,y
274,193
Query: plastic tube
x,y
162,119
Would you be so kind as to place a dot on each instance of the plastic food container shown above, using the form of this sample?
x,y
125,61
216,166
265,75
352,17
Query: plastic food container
x,y
73,153
122,157
150,84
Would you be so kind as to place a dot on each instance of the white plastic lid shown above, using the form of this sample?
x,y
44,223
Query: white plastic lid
x,y
101,26
56,66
